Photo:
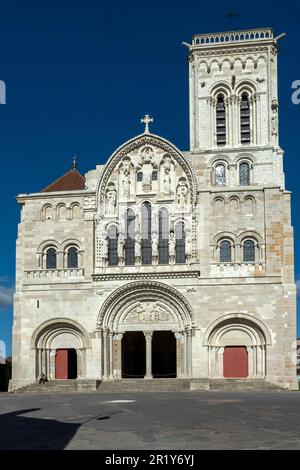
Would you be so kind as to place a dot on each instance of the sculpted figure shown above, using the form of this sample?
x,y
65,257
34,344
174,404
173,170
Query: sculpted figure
x,y
154,244
111,199
121,242
167,181
104,245
126,182
182,195
172,245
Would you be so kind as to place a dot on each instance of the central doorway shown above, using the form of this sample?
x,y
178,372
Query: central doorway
x,y
66,364
164,355
133,355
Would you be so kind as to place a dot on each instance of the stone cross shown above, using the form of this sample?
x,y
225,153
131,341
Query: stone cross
x,y
146,120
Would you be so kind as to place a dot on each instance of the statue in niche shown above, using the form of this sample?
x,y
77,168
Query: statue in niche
x,y
274,117
138,245
104,246
182,192
125,182
154,244
167,181
172,245
111,199
121,243
147,174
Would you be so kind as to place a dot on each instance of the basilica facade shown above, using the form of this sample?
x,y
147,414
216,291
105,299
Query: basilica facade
x,y
165,263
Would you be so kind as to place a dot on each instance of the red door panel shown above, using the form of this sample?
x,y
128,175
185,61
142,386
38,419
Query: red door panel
x,y
61,364
235,361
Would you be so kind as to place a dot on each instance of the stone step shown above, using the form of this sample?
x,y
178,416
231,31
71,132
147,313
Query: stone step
x,y
144,385
236,385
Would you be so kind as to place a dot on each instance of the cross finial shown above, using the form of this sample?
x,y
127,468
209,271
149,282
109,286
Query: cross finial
x,y
74,163
146,120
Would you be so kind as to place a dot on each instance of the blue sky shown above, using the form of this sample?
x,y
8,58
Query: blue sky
x,y
80,75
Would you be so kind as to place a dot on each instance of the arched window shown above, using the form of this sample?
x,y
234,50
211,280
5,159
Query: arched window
x,y
146,233
154,175
139,176
73,257
244,174
112,246
180,242
245,119
163,239
220,174
249,250
225,251
51,258
129,237
221,121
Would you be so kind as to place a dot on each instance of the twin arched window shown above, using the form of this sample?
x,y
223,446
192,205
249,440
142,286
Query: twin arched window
x,y
72,258
248,249
244,120
244,174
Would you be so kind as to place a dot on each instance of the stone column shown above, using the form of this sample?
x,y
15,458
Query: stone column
x,y
148,338
179,355
105,374
189,353
111,355
40,362
48,363
118,355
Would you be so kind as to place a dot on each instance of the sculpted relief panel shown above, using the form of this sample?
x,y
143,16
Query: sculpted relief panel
x,y
148,314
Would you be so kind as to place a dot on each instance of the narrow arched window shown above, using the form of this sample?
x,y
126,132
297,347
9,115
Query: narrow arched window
x,y
220,174
139,176
249,250
129,237
112,246
180,242
244,174
163,238
245,119
154,175
225,251
146,233
73,257
51,258
221,121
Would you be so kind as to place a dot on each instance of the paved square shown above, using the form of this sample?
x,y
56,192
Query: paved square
x,y
181,420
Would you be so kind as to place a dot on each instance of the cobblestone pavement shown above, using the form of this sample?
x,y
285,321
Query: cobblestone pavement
x,y
177,420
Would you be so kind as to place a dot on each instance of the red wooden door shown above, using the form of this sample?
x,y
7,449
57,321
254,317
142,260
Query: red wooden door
x,y
235,361
61,364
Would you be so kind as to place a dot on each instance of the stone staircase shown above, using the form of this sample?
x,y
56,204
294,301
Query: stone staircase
x,y
243,385
151,385
60,386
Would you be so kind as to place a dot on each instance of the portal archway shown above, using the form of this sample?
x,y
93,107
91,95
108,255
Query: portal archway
x,y
151,308
237,346
60,347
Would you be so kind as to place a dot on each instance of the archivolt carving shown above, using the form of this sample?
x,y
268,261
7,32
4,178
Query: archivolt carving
x,y
147,301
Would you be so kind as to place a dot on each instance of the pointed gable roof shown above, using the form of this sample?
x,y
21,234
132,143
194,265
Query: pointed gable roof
x,y
70,181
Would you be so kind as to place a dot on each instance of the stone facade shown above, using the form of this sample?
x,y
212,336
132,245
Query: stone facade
x,y
198,244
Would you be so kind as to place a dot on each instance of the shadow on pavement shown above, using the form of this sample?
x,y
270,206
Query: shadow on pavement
x,y
22,432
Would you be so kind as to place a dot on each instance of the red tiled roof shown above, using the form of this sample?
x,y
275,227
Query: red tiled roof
x,y
70,181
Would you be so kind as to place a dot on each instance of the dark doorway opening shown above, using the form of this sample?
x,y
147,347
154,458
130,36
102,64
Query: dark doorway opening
x,y
133,355
163,354
66,364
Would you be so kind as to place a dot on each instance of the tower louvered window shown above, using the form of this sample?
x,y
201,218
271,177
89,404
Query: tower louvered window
x,y
245,119
221,121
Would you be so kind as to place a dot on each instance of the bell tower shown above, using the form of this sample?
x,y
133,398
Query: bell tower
x,y
233,90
